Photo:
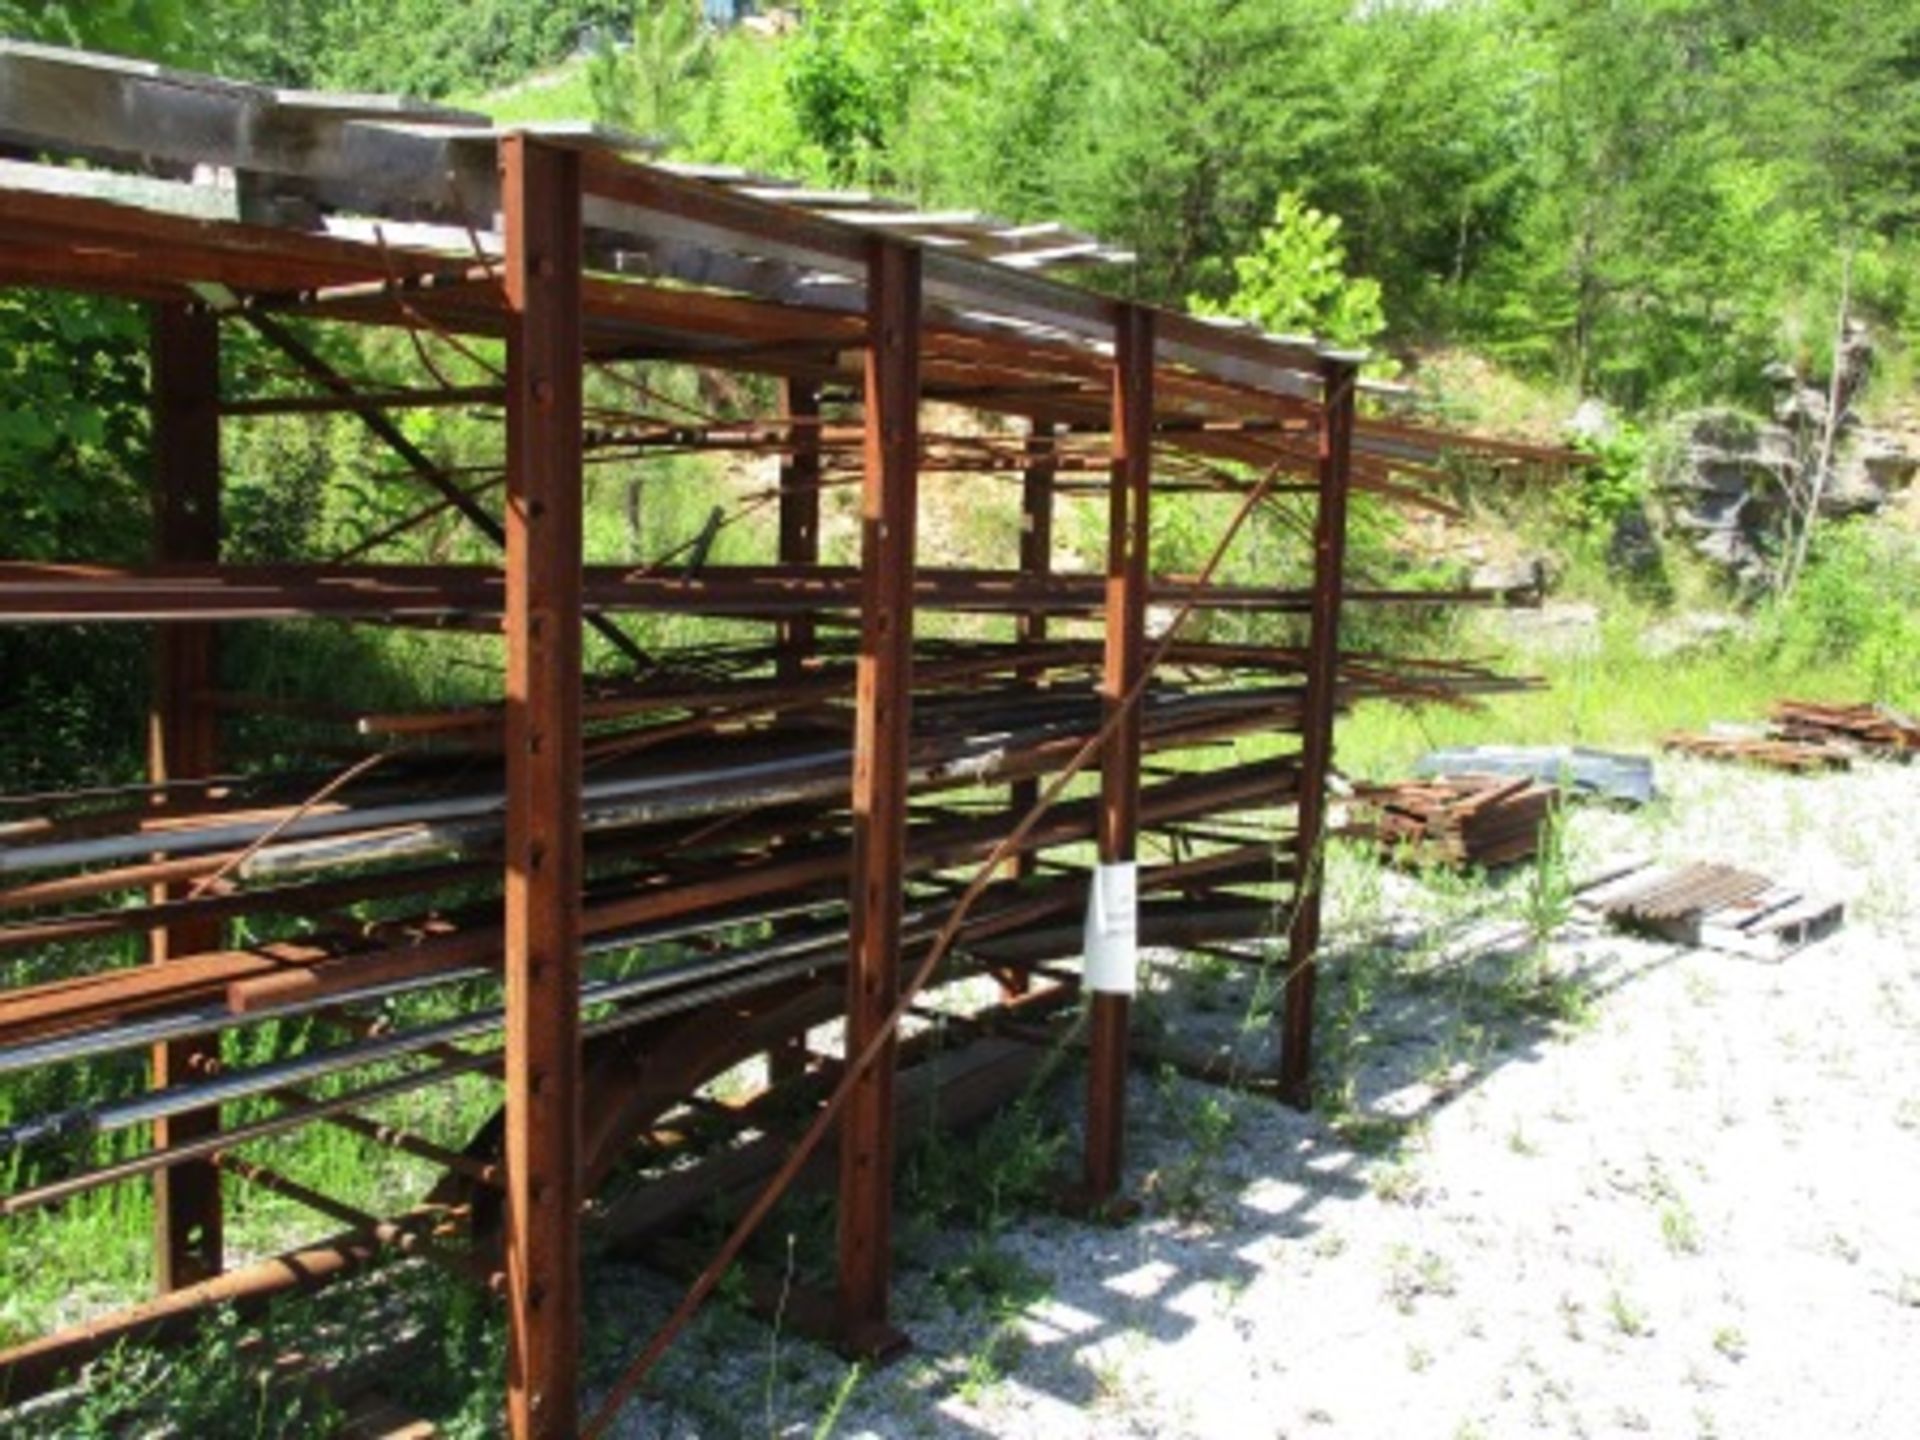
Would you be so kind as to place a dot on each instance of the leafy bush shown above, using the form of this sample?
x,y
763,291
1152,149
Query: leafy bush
x,y
1295,281
1858,602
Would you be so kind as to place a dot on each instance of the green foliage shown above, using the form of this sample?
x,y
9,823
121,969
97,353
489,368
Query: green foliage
x,y
222,1384
155,29
1858,602
1602,493
649,84
1295,281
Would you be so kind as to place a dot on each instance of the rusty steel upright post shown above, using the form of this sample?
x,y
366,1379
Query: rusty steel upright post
x,y
182,744
888,503
540,186
795,635
1119,824
1339,378
1036,559
799,509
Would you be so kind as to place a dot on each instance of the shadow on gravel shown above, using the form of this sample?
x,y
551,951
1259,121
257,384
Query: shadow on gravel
x,y
1228,1178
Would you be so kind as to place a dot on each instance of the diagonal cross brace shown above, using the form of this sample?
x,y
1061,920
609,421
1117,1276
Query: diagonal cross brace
x,y
417,460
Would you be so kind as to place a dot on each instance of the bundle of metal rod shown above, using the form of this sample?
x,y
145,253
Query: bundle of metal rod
x,y
713,881
610,1005
32,593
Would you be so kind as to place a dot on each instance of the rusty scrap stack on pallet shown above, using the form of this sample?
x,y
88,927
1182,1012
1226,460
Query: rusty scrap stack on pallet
x,y
1807,737
1718,907
1876,730
1484,820
1800,756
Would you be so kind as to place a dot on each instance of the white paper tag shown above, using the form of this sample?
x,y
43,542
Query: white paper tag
x,y
1113,929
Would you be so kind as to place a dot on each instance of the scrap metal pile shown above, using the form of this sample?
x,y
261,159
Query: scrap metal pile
x,y
620,878
1808,737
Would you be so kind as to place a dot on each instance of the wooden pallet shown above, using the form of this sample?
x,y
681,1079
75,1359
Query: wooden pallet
x,y
1716,907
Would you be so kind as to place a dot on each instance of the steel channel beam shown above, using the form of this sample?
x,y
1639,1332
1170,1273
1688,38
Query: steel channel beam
x,y
882,711
1119,812
541,197
1339,386
183,734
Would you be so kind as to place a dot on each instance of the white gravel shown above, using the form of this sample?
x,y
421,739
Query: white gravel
x,y
1683,1199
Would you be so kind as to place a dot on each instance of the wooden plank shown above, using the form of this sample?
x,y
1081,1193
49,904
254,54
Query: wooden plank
x,y
543,844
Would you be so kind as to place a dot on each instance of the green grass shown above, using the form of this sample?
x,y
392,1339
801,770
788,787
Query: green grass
x,y
1617,696
563,93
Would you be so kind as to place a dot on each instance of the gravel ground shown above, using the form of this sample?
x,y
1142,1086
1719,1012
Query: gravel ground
x,y
1621,1188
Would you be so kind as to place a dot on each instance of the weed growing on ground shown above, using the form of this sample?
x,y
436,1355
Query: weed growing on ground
x,y
1730,1342
1413,1274
1398,1182
1627,1317
992,1361
221,1384
1546,901
837,1406
1678,1228
992,1280
981,1182
1191,1188
1518,1142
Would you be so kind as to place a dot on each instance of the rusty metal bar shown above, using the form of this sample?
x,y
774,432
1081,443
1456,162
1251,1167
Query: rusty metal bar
x,y
541,197
358,401
1340,379
1126,610
183,744
882,705
35,593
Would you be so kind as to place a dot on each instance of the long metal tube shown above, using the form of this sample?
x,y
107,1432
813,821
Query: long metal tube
x,y
257,1080
432,826
105,1040
58,1190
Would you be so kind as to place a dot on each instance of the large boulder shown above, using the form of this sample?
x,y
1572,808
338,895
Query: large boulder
x,y
1872,467
1725,487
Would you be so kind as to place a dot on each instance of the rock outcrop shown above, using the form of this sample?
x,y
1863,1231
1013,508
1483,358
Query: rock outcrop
x,y
1734,481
